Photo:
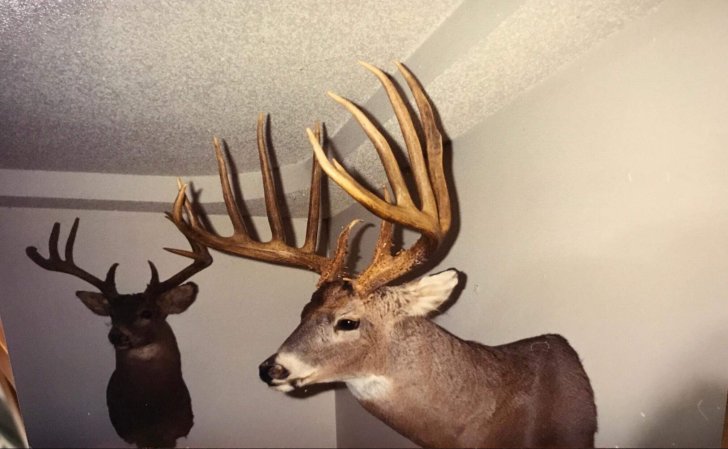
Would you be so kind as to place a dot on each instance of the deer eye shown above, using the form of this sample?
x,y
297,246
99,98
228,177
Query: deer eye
x,y
146,314
346,325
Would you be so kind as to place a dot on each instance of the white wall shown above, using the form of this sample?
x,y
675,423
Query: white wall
x,y
596,206
62,359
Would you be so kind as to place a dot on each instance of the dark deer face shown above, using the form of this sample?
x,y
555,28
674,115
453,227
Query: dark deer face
x,y
139,319
136,319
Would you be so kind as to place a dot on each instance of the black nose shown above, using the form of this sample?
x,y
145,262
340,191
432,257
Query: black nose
x,y
270,371
117,337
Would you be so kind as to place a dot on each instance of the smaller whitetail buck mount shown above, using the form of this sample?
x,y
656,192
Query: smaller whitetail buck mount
x,y
148,401
424,382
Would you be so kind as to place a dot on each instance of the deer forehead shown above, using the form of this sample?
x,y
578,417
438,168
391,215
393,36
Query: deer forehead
x,y
331,298
131,303
339,304
381,303
415,298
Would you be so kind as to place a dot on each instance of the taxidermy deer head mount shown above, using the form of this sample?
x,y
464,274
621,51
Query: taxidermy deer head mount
x,y
375,336
149,404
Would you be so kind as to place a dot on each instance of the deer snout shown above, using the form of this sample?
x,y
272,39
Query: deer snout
x,y
269,371
118,338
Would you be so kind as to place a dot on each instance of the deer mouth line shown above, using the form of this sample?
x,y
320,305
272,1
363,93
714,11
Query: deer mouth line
x,y
285,372
289,385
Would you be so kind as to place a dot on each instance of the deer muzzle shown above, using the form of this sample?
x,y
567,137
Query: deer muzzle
x,y
118,338
272,373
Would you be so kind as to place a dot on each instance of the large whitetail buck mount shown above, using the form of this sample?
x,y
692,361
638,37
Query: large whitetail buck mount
x,y
147,398
429,385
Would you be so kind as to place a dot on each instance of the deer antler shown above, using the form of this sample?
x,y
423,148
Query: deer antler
x,y
55,263
107,287
277,250
432,219
201,259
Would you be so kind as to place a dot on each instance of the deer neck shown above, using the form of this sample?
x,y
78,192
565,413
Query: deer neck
x,y
427,380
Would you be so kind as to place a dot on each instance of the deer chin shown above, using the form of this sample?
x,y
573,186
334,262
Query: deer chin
x,y
284,387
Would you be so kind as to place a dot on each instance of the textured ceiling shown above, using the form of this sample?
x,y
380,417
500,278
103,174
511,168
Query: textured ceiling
x,y
142,86
137,89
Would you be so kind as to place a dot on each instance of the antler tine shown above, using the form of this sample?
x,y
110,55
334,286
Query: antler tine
x,y
314,200
432,220
412,142
398,212
383,247
201,259
233,210
269,187
187,221
433,139
276,250
383,149
54,262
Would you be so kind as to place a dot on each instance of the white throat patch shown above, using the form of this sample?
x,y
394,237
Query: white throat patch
x,y
147,352
369,388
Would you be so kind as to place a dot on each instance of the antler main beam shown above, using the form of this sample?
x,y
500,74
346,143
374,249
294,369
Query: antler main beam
x,y
54,262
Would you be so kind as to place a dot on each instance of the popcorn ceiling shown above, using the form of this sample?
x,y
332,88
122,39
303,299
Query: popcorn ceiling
x,y
534,42
141,87
529,45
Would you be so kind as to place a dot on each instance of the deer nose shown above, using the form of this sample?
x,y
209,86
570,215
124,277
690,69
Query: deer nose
x,y
270,370
118,338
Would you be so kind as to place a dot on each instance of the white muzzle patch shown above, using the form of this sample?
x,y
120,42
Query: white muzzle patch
x,y
300,373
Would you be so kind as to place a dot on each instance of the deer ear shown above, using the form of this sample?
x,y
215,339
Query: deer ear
x,y
178,299
426,294
95,301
